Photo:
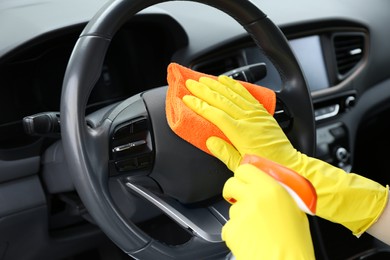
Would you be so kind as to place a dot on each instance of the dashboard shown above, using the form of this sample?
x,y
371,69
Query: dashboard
x,y
330,56
341,47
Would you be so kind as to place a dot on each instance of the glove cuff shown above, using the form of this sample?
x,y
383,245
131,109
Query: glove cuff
x,y
381,208
349,199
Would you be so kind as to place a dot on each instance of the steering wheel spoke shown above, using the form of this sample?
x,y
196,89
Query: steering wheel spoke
x,y
203,222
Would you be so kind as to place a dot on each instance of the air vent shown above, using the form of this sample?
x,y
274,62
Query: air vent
x,y
349,50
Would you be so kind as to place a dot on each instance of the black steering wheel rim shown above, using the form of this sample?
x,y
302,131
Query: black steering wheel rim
x,y
84,69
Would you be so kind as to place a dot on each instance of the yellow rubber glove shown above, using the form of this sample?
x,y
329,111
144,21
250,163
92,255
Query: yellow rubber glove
x,y
348,199
265,222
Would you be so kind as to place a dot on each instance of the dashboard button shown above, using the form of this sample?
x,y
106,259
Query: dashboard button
x,y
326,112
342,155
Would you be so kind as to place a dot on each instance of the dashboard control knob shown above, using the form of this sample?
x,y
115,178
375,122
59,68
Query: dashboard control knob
x,y
342,154
350,101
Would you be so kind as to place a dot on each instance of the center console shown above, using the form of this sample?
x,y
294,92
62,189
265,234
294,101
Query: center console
x,y
333,145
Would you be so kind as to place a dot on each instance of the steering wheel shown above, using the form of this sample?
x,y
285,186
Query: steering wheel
x,y
128,148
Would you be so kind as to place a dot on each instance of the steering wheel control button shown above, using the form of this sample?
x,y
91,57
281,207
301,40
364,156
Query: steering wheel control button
x,y
127,165
139,126
128,146
135,163
122,132
133,127
131,146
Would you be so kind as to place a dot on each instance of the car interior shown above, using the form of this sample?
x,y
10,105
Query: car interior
x,y
88,164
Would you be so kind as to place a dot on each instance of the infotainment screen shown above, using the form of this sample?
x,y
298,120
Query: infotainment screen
x,y
309,54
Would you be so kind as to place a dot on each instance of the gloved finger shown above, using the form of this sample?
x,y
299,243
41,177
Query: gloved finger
x,y
239,209
202,91
228,231
224,151
230,94
218,117
234,190
238,88
203,109
251,175
213,98
248,173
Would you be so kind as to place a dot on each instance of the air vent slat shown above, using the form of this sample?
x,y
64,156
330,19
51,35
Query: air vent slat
x,y
344,49
349,60
349,50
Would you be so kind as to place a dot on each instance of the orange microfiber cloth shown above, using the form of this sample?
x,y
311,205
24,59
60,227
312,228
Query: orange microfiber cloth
x,y
189,125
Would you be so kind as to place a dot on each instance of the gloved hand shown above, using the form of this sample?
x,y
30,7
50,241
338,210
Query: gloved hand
x,y
265,222
348,199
